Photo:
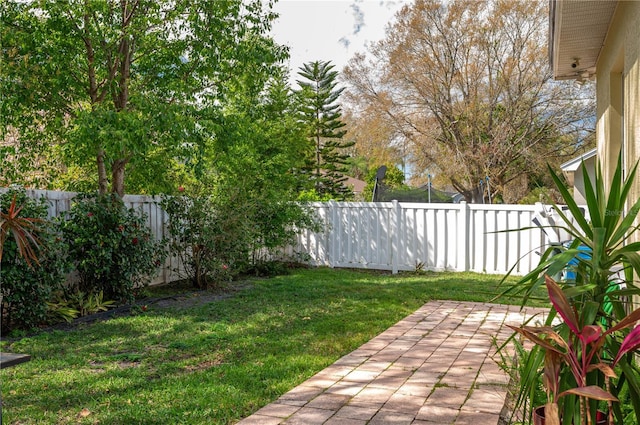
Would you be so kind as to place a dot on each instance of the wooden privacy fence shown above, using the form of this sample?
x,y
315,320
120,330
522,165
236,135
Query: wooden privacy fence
x,y
389,235
406,236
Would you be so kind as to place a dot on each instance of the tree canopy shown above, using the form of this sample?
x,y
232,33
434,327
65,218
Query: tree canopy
x,y
467,86
129,86
321,114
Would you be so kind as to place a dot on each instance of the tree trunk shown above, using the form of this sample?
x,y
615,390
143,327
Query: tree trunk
x,y
103,183
117,177
477,195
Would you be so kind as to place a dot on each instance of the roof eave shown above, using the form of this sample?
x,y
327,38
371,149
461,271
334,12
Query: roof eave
x,y
577,31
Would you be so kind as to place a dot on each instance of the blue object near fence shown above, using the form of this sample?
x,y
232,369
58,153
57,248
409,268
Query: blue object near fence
x,y
570,274
570,270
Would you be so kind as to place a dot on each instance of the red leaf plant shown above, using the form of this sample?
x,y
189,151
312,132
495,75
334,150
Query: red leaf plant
x,y
581,352
24,232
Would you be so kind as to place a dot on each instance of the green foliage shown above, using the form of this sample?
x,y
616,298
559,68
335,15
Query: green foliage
x,y
111,246
242,205
217,237
209,241
327,162
580,352
90,303
253,175
61,310
78,304
114,83
312,196
27,283
393,179
604,281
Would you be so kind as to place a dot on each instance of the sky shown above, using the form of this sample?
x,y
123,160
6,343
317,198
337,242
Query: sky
x,y
330,29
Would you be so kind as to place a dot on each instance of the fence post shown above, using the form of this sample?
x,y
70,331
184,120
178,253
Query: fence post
x,y
396,239
463,238
333,234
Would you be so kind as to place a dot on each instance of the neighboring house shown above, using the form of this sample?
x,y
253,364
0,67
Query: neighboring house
x,y
573,172
602,39
357,186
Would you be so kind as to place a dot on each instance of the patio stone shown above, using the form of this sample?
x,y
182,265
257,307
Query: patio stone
x,y
485,400
434,367
260,420
329,401
437,414
278,410
309,416
344,421
385,417
356,412
302,393
467,418
345,388
404,403
445,396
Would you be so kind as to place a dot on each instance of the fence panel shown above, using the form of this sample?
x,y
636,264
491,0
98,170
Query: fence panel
x,y
60,202
388,235
361,235
406,236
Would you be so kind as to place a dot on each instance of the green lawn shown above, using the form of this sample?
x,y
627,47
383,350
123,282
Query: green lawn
x,y
218,362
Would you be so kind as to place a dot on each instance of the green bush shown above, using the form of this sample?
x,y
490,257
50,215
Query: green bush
x,y
210,242
218,237
111,247
26,288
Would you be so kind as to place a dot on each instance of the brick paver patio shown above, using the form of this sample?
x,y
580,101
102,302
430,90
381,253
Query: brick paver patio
x,y
436,366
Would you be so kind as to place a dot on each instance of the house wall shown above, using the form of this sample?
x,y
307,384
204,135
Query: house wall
x,y
579,193
618,92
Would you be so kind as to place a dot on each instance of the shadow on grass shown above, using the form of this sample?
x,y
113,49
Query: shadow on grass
x,y
220,361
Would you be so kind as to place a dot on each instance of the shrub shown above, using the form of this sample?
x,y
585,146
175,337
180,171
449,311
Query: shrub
x,y
111,247
217,237
210,242
28,285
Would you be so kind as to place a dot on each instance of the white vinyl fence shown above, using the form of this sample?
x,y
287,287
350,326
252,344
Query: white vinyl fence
x,y
390,235
407,236
60,202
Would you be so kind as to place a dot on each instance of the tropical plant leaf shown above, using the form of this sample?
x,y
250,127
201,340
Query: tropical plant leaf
x,y
633,259
590,334
591,391
576,291
551,372
594,196
630,178
604,368
562,305
24,231
531,333
630,342
631,374
598,246
626,224
571,204
629,320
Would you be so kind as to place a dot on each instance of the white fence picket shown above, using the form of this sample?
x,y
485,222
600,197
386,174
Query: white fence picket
x,y
405,236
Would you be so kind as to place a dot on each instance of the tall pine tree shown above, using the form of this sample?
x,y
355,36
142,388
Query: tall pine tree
x,y
320,112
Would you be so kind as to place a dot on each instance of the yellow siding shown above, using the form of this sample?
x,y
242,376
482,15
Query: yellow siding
x,y
618,91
